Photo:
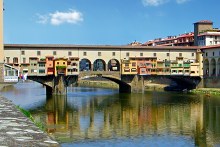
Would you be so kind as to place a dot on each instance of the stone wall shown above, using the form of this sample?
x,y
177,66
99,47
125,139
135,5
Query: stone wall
x,y
212,82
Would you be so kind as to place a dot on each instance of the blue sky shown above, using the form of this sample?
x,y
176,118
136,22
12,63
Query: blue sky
x,y
102,22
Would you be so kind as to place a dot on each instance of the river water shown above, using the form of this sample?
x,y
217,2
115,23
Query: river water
x,y
103,117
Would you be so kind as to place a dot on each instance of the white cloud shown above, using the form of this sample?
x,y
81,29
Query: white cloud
x,y
181,1
154,2
58,18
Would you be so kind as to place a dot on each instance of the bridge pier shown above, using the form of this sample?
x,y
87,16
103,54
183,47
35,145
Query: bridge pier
x,y
55,85
137,84
59,86
131,84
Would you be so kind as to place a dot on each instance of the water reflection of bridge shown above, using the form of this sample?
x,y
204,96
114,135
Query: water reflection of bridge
x,y
132,115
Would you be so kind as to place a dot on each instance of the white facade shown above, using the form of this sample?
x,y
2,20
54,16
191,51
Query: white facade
x,y
209,38
22,53
211,61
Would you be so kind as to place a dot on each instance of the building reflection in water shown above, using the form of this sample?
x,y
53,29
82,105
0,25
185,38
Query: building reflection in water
x,y
131,115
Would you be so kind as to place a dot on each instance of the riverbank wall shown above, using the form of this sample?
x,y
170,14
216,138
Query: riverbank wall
x,y
211,82
2,85
111,85
18,130
207,91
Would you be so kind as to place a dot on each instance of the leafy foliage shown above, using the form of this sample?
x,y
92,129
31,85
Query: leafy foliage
x,y
28,114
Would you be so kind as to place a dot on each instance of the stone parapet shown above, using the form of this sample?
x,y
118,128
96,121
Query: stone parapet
x,y
18,130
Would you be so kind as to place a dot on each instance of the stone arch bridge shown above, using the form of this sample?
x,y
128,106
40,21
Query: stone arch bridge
x,y
127,83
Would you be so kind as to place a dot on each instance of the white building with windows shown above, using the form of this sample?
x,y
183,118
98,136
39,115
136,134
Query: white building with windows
x,y
209,38
211,61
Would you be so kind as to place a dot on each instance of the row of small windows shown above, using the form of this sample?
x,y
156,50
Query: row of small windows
x,y
213,54
141,54
39,53
100,54
15,60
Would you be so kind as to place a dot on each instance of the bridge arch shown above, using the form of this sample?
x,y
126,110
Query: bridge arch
x,y
115,77
99,65
85,65
113,65
213,67
206,67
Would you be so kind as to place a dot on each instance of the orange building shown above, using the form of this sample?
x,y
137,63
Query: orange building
x,y
49,65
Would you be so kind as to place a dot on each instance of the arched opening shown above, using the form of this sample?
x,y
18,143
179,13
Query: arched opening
x,y
218,66
206,67
213,67
113,65
99,65
85,65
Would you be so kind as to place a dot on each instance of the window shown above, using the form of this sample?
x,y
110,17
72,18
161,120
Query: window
x,y
64,63
10,73
126,64
54,53
38,53
99,53
84,54
113,53
69,53
74,64
180,54
127,54
41,71
41,65
192,54
50,59
213,53
168,54
24,60
206,54
133,63
75,70
15,60
22,52
8,59
141,54
155,54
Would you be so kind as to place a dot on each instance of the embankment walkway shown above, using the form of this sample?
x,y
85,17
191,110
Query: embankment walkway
x,y
18,130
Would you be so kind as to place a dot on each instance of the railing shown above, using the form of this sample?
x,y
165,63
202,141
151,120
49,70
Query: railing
x,y
11,79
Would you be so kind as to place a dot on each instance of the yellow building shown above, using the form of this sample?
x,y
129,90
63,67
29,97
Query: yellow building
x,y
162,69
194,69
128,67
60,66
